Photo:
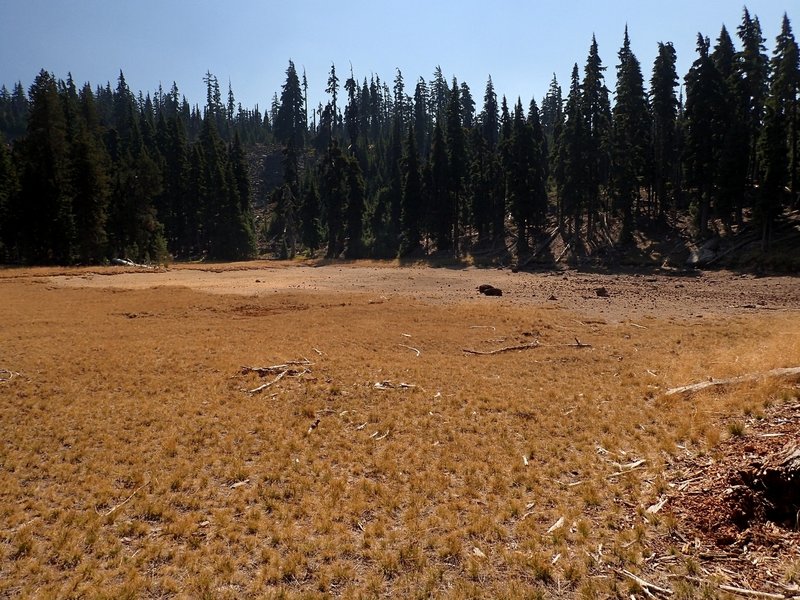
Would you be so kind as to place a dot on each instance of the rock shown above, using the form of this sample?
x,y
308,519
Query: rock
x,y
601,292
489,290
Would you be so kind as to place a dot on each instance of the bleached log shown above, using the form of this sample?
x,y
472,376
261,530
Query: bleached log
x,y
696,387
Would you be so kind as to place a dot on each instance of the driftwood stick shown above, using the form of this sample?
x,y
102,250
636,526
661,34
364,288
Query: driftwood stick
x,y
501,350
696,387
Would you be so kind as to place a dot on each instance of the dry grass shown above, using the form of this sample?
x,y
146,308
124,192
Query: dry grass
x,y
127,429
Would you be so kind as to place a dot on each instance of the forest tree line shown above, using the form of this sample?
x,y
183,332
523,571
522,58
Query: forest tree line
x,y
385,169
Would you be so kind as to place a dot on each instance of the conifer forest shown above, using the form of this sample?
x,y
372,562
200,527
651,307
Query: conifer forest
x,y
394,167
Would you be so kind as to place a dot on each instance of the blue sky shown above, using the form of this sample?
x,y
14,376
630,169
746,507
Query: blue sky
x,y
249,42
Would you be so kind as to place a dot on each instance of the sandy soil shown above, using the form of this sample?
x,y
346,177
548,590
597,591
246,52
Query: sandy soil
x,y
629,295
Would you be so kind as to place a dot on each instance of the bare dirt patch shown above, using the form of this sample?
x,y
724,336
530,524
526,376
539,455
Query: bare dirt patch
x,y
660,294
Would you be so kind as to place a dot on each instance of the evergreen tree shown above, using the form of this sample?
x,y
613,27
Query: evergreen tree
x,y
780,130
552,112
354,213
351,116
630,136
89,180
664,114
290,120
753,66
571,173
456,160
333,91
285,199
467,107
422,120
440,94
704,120
310,216
174,206
399,104
411,211
13,112
441,209
597,114
520,172
334,197
732,167
218,207
242,243
538,211
8,192
490,119
784,89
47,221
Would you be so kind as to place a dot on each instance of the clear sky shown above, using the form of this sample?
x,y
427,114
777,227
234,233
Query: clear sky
x,y
521,43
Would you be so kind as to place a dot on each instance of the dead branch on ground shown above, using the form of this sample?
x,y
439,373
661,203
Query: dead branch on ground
x,y
114,508
388,385
410,348
6,375
534,344
645,585
272,370
270,383
696,387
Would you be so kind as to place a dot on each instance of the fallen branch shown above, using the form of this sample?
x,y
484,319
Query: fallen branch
x,y
645,585
751,593
564,251
272,370
696,387
738,590
534,344
388,385
579,344
261,388
748,240
124,262
629,466
6,375
410,348
654,508
557,525
551,236
113,509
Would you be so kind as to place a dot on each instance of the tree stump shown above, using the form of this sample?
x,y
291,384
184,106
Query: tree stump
x,y
778,479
